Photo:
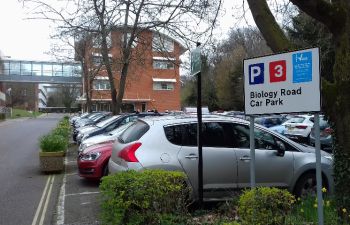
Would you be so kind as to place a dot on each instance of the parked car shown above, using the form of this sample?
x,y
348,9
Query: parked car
x,y
85,116
170,143
299,127
93,163
109,125
82,130
96,118
326,138
102,138
269,121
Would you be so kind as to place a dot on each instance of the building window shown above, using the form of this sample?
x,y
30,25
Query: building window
x,y
97,41
102,85
128,35
161,64
97,59
161,43
158,86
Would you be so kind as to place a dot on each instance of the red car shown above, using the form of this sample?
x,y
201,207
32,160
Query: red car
x,y
93,161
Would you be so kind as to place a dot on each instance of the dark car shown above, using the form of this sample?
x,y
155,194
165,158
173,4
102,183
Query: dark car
x,y
326,138
270,121
111,124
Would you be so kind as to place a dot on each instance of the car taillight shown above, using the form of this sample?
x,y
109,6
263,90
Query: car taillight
x,y
128,153
328,130
301,127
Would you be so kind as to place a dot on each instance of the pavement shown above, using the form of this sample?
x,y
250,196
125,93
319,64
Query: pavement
x,y
78,200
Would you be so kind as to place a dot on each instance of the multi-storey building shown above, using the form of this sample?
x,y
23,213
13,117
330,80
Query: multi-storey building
x,y
153,80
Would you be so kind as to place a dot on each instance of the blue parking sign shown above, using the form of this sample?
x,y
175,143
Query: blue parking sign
x,y
256,73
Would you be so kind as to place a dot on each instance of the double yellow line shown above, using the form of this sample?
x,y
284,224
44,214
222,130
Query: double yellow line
x,y
41,210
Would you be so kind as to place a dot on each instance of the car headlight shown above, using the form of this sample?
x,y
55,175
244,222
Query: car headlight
x,y
90,156
329,157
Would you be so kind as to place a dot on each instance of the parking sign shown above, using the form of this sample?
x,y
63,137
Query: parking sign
x,y
282,83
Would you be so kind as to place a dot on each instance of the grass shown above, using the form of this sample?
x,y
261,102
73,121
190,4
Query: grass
x,y
17,113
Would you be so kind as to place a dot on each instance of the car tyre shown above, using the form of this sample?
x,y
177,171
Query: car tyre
x,y
307,185
105,170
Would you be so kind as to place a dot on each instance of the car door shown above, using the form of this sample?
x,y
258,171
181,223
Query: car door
x,y
271,169
219,159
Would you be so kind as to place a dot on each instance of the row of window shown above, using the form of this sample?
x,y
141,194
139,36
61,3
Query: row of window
x,y
104,85
222,134
41,69
157,64
160,43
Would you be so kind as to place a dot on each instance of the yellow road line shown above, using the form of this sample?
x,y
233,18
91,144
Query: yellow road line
x,y
41,201
46,202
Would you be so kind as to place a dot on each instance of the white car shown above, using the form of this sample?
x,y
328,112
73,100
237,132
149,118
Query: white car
x,y
299,127
102,138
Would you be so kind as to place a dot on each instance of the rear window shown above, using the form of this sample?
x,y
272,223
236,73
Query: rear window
x,y
296,120
134,132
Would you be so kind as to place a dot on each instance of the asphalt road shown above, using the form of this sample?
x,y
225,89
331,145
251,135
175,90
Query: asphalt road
x,y
22,183
30,197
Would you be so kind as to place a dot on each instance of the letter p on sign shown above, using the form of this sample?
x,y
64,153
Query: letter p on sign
x,y
256,73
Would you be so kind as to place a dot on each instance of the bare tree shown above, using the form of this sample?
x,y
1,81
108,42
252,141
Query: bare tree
x,y
186,20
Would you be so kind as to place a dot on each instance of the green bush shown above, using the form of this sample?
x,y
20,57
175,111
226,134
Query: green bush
x,y
63,131
265,206
147,197
53,143
2,116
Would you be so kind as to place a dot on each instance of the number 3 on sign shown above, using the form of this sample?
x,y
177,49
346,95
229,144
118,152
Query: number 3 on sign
x,y
277,71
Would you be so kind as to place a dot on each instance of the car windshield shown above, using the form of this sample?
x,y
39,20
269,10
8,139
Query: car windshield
x,y
120,128
106,121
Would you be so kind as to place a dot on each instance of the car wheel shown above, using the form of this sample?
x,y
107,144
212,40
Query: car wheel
x,y
105,170
307,185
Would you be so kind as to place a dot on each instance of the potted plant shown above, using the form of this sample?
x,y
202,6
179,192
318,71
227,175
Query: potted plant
x,y
52,151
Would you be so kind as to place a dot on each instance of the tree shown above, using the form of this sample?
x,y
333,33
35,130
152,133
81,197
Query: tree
x,y
188,21
335,15
227,63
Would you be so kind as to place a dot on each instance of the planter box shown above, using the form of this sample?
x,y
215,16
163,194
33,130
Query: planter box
x,y
51,161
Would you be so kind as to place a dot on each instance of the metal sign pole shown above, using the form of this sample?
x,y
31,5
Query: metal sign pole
x,y
199,140
252,153
318,169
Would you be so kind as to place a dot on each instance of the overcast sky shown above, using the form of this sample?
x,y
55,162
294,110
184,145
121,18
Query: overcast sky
x,y
29,39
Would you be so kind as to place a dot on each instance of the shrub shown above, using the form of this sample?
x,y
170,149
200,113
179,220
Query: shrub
x,y
2,116
147,197
265,206
62,131
53,143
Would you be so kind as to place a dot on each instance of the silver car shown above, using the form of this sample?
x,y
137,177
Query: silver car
x,y
170,143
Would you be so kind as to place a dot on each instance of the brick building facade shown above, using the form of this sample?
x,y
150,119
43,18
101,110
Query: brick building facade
x,y
153,80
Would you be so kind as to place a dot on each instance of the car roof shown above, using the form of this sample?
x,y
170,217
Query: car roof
x,y
177,119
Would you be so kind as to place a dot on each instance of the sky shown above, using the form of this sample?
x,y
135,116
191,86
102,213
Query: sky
x,y
25,39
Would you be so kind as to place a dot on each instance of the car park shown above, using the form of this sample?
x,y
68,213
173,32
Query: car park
x,y
93,163
326,132
102,138
170,143
299,127
111,124
93,120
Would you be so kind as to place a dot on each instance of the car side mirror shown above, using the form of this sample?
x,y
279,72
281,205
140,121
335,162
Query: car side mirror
x,y
281,148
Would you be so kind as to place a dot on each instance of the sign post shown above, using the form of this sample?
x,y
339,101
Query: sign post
x,y
196,63
284,83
